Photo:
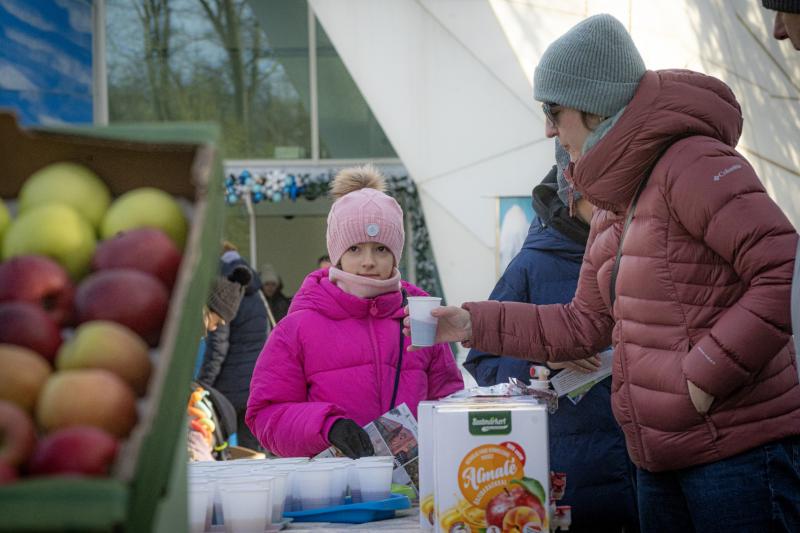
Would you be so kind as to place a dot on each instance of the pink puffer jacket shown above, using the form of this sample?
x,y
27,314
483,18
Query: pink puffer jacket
x,y
703,286
335,356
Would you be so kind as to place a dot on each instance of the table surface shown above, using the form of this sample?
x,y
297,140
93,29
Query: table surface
x,y
406,521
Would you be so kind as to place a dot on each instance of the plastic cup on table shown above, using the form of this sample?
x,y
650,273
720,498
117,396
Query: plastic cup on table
x,y
280,489
266,484
423,325
374,479
243,508
200,502
313,487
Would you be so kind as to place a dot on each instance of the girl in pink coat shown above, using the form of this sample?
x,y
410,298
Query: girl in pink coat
x,y
331,366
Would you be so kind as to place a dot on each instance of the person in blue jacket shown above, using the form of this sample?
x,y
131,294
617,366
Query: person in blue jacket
x,y
585,441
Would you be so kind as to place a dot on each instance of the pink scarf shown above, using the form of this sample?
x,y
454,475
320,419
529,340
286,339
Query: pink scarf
x,y
363,287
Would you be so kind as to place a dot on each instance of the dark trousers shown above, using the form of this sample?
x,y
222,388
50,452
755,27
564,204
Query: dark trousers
x,y
244,436
754,492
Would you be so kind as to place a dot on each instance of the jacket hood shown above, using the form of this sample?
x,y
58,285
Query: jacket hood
x,y
668,105
318,293
553,212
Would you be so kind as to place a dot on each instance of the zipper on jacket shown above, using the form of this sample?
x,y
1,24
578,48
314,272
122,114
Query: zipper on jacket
x,y
376,363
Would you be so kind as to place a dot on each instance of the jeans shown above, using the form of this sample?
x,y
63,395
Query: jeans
x,y
756,491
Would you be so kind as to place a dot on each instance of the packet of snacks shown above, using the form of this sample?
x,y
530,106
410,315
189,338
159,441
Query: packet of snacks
x,y
484,464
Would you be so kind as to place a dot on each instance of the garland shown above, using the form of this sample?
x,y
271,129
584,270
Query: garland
x,y
275,186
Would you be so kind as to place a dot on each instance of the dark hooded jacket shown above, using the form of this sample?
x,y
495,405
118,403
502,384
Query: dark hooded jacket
x,y
232,349
585,441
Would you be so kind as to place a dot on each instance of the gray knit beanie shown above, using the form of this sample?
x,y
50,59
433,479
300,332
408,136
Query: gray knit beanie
x,y
787,6
594,67
562,161
227,293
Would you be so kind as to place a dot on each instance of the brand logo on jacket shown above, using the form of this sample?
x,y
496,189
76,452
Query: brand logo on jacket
x,y
727,171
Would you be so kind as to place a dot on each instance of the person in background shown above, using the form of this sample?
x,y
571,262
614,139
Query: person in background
x,y
324,261
338,360
787,26
234,344
585,441
687,270
787,20
272,288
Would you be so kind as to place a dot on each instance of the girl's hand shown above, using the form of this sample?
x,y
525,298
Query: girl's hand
x,y
455,325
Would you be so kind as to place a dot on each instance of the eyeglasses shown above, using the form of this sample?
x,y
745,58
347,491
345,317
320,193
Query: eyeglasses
x,y
551,111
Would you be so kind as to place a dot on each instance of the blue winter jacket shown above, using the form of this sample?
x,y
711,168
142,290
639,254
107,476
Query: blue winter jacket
x,y
585,440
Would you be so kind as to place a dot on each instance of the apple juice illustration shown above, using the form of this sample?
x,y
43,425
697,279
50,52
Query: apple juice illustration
x,y
491,478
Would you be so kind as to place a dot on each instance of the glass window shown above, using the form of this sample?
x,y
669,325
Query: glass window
x,y
347,127
200,60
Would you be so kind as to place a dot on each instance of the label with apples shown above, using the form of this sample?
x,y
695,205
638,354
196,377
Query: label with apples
x,y
491,479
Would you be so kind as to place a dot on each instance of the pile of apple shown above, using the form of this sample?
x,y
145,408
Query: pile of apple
x,y
85,284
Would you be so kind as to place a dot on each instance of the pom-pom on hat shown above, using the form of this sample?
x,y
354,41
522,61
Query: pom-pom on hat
x,y
363,212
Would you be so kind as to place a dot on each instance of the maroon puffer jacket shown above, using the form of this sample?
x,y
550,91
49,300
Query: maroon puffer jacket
x,y
703,285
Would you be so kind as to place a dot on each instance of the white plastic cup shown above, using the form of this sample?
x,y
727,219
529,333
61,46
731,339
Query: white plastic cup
x,y
374,479
200,501
423,325
265,484
280,490
243,507
314,487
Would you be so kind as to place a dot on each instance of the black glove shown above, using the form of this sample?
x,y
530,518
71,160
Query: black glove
x,y
350,438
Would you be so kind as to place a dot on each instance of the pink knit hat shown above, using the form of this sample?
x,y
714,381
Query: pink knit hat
x,y
362,212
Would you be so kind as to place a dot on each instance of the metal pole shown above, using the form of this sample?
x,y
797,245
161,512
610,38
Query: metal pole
x,y
252,220
312,79
99,72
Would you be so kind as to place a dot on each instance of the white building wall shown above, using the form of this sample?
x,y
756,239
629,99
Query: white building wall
x,y
450,83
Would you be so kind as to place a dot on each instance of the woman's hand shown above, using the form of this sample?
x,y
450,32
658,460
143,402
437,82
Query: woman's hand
x,y
700,399
584,366
455,325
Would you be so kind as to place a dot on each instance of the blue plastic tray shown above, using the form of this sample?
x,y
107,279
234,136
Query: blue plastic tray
x,y
354,513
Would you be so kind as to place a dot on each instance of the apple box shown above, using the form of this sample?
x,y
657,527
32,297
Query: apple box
x,y
147,485
489,461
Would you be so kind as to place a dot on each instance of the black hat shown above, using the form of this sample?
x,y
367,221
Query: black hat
x,y
787,6
228,292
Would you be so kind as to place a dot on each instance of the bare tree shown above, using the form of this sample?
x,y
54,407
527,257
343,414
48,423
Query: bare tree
x,y
155,18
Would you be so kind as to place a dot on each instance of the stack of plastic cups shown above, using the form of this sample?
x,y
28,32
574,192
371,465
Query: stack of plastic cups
x,y
341,470
243,506
281,479
200,500
374,478
314,485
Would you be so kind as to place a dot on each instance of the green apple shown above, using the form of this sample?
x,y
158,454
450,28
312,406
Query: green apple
x,y
70,184
5,220
111,346
56,231
143,208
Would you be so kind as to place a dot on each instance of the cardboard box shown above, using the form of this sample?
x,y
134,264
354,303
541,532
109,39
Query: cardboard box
x,y
181,160
489,464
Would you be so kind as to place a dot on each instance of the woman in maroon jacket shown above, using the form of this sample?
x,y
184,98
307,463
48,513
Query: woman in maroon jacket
x,y
687,272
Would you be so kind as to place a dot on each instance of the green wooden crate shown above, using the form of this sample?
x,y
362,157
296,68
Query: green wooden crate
x,y
180,159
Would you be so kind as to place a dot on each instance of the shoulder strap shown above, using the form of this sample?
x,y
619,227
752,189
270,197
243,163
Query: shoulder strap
x,y
628,219
400,355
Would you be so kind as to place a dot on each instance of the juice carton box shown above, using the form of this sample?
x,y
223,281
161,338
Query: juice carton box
x,y
491,469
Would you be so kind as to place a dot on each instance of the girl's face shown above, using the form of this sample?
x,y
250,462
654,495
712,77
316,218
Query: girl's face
x,y
567,124
368,259
211,320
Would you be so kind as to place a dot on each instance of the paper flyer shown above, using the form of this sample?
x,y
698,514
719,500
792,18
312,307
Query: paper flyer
x,y
574,384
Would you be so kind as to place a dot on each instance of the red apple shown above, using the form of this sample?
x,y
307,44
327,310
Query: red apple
x,y
129,297
8,474
149,250
82,450
26,324
517,496
38,280
17,434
